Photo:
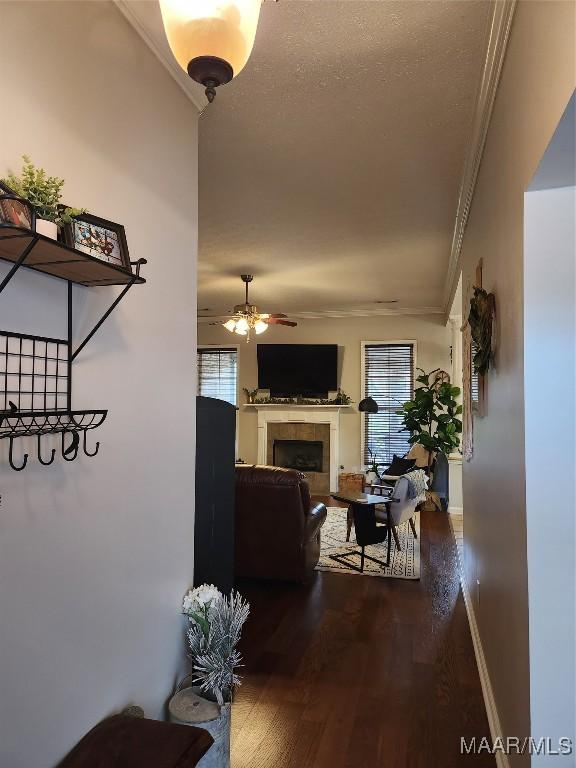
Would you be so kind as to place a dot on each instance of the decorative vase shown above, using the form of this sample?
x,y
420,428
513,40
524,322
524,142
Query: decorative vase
x,y
187,707
372,477
47,228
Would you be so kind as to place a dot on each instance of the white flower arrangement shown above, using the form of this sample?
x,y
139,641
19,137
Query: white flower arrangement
x,y
200,598
215,625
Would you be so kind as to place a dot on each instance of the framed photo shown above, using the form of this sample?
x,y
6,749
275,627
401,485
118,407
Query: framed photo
x,y
99,238
15,210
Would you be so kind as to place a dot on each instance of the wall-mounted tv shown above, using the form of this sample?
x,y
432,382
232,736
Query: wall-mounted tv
x,y
288,370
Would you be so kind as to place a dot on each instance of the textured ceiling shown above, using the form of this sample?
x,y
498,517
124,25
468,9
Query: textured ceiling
x,y
330,168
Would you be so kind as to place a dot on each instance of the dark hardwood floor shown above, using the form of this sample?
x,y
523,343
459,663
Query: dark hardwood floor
x,y
361,672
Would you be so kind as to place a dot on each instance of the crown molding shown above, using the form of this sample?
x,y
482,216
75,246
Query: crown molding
x,y
321,314
146,20
499,33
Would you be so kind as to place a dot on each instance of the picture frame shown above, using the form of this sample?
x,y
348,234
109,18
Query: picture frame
x,y
100,238
15,210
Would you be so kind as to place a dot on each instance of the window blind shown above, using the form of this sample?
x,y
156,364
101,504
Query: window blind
x,y
218,373
389,379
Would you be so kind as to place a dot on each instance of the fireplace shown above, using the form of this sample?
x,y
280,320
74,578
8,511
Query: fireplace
x,y
306,424
305,455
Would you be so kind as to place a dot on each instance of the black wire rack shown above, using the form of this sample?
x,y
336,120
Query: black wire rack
x,y
36,371
35,394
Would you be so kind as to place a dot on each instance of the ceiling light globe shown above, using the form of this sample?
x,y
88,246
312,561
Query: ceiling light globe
x,y
260,326
230,325
211,39
242,325
240,332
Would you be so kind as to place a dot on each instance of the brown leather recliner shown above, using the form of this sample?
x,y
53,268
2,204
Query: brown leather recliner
x,y
277,528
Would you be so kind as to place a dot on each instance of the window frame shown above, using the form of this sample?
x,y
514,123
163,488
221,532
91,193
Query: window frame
x,y
382,342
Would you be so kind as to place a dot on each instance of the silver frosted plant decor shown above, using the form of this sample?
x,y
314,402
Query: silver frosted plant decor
x,y
215,626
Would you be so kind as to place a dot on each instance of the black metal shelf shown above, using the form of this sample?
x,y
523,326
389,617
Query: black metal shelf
x,y
32,423
24,248
36,371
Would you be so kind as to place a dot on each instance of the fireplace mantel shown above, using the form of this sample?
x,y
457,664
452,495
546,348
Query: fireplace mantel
x,y
293,406
306,414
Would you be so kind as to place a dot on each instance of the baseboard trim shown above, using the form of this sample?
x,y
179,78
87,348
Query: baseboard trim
x,y
487,691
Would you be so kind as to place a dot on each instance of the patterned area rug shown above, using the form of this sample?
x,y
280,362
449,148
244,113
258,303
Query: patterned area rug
x,y
405,564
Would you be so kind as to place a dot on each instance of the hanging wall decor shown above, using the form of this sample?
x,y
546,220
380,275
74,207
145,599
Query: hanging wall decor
x,y
467,407
480,317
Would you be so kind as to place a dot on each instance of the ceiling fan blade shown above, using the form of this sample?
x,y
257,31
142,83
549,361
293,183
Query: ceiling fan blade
x,y
278,321
278,314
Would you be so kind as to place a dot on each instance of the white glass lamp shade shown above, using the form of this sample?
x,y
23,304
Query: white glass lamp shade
x,y
230,325
240,331
242,325
260,326
211,29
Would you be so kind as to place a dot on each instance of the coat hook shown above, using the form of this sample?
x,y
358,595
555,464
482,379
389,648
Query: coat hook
x,y
18,469
84,446
40,459
72,448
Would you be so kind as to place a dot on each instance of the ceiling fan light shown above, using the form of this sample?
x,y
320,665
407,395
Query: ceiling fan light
x,y
240,332
260,326
242,325
211,39
230,325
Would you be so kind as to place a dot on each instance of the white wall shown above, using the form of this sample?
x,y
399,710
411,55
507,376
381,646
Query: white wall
x,y
433,351
95,555
549,386
536,83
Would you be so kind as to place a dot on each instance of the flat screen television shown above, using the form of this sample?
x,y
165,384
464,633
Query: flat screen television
x,y
289,370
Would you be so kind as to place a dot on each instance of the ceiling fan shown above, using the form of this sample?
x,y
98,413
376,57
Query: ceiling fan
x,y
246,318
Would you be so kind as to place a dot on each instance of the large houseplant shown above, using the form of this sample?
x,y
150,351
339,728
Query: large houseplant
x,y
44,193
431,417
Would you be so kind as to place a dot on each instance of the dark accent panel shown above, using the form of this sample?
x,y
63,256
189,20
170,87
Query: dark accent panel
x,y
214,524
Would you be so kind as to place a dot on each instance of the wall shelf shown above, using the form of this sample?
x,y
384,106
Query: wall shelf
x,y
295,406
24,248
36,371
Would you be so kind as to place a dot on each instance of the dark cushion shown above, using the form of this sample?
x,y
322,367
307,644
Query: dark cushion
x,y
130,742
400,466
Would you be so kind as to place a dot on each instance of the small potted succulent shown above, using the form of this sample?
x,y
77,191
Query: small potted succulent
x,y
43,192
214,626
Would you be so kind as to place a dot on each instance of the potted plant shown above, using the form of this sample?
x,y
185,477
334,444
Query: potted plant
x,y
372,474
43,192
431,416
251,395
215,623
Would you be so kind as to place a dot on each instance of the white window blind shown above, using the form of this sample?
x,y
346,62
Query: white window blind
x,y
388,379
218,373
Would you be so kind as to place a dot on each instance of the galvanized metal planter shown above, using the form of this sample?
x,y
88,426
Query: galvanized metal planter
x,y
188,708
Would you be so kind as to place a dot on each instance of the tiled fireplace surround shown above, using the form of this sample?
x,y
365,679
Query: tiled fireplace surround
x,y
319,481
304,423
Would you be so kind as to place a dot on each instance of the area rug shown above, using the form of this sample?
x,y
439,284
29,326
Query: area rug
x,y
404,563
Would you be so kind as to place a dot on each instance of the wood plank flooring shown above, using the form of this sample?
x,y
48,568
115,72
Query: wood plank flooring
x,y
360,672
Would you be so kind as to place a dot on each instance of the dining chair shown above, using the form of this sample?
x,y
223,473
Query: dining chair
x,y
400,507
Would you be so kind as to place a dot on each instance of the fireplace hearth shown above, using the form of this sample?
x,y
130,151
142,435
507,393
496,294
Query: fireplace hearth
x,y
305,455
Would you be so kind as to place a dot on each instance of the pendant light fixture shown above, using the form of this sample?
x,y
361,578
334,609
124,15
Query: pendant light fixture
x,y
211,39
